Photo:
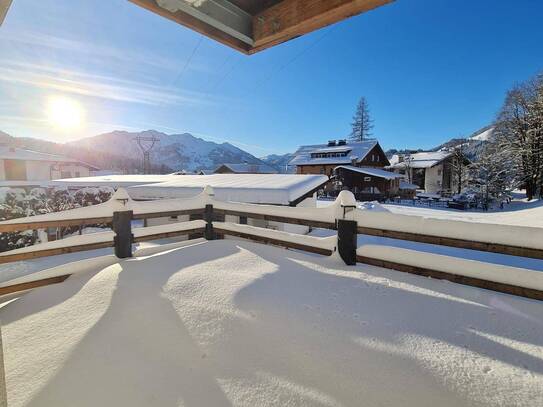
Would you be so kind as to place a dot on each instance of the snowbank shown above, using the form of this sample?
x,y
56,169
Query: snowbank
x,y
231,323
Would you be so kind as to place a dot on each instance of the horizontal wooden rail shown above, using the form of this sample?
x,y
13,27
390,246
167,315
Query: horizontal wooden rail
x,y
275,242
17,227
441,275
167,214
274,218
452,242
166,235
10,289
8,258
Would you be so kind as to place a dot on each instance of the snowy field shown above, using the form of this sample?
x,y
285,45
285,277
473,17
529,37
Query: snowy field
x,y
519,212
230,323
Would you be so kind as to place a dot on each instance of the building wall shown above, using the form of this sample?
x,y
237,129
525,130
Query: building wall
x,y
434,179
41,170
316,169
70,171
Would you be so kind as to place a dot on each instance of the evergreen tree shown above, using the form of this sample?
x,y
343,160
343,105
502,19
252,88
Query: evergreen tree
x,y
362,122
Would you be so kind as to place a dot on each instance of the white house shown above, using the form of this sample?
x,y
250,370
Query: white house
x,y
20,165
430,171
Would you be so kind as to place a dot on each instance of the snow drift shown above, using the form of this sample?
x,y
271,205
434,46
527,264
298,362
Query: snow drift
x,y
229,323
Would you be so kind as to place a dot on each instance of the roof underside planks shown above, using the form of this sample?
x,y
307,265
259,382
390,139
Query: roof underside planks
x,y
250,26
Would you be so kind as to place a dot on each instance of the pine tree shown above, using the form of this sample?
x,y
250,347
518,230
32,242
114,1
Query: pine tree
x,y
362,123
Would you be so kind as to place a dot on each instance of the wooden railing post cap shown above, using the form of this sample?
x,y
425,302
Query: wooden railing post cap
x,y
121,195
208,190
346,199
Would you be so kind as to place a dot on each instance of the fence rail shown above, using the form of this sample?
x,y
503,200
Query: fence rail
x,y
342,216
452,242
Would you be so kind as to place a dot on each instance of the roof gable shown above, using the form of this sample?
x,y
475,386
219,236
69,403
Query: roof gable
x,y
355,150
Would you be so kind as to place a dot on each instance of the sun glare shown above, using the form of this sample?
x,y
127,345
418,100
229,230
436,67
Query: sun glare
x,y
65,113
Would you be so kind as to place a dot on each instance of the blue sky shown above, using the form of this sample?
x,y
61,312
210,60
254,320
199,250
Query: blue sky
x,y
431,70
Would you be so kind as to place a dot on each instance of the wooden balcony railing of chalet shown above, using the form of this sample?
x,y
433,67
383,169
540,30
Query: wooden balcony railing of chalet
x,y
218,218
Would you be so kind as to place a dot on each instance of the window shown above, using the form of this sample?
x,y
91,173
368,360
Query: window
x,y
77,174
65,174
367,179
439,172
322,170
173,217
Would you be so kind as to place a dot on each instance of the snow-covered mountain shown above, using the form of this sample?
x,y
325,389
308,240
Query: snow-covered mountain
x,y
278,161
174,151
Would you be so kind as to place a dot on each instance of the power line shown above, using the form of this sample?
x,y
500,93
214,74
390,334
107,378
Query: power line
x,y
293,59
189,59
223,77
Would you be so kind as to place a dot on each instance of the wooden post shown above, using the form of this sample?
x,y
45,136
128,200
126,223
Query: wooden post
x,y
208,217
122,227
347,231
3,391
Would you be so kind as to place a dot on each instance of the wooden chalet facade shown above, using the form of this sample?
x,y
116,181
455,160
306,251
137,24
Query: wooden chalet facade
x,y
354,165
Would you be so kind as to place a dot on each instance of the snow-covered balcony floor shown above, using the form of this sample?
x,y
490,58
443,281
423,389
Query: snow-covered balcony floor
x,y
224,323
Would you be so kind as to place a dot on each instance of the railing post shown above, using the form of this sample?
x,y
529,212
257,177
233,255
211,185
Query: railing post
x,y
122,226
347,231
208,217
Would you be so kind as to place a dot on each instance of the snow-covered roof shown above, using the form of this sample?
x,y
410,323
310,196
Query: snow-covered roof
x,y
245,168
14,153
420,160
354,149
278,189
374,172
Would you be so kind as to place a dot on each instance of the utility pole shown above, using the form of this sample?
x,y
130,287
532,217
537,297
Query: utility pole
x,y
146,144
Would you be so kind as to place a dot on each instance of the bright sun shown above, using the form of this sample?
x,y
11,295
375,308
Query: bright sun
x,y
65,113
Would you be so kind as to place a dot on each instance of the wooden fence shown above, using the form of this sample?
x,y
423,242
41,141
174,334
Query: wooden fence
x,y
340,216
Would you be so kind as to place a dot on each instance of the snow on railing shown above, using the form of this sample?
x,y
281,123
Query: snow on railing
x,y
519,236
496,277
342,215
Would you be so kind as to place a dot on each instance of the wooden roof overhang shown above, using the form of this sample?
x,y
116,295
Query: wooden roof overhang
x,y
251,26
4,6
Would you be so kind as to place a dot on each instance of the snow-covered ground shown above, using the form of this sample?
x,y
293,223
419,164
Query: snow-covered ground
x,y
225,323
519,212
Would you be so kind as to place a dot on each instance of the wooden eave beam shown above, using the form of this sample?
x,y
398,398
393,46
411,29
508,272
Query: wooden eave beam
x,y
4,7
195,24
293,18
281,22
